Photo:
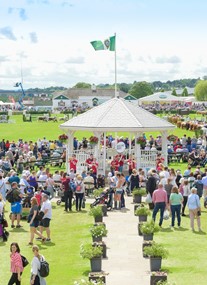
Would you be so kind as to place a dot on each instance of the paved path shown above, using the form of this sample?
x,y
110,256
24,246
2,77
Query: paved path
x,y
125,263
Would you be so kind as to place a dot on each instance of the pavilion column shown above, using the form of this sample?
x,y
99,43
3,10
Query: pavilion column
x,y
69,148
130,143
137,152
104,154
164,146
97,152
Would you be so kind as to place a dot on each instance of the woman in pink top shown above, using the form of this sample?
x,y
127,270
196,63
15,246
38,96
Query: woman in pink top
x,y
16,264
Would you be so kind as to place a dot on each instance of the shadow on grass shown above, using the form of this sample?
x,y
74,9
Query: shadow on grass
x,y
18,230
45,246
181,229
201,233
166,230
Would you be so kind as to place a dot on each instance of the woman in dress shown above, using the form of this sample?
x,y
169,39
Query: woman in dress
x,y
36,279
16,264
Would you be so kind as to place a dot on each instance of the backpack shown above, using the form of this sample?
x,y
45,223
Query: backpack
x,y
40,215
10,196
44,268
72,185
79,187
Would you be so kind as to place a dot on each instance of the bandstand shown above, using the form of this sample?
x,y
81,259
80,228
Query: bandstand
x,y
115,116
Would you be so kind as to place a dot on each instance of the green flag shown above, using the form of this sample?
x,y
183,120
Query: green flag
x,y
108,44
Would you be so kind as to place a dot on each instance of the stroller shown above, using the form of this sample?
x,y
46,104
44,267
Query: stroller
x,y
61,196
4,234
61,193
104,198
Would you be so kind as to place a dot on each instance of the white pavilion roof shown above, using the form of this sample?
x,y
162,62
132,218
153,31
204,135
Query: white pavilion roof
x,y
116,115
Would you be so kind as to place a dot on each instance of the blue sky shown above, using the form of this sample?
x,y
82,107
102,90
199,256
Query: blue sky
x,y
49,40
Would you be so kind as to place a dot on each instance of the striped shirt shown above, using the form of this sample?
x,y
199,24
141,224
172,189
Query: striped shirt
x,y
16,262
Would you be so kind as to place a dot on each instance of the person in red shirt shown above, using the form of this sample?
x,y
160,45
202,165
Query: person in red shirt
x,y
89,161
73,162
68,193
16,264
132,164
94,168
121,159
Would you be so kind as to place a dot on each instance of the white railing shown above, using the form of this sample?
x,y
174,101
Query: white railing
x,y
148,159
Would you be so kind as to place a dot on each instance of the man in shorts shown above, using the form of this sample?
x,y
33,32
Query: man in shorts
x,y
47,210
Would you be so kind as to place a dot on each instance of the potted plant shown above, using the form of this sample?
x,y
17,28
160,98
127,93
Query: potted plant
x,y
145,244
97,213
137,194
158,277
93,140
97,232
93,253
142,212
63,138
139,228
91,281
156,252
103,246
148,229
141,140
97,278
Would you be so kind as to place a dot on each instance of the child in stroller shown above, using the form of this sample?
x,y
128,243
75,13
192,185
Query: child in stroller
x,y
104,198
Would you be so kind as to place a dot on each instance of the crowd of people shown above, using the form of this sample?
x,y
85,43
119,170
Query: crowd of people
x,y
168,188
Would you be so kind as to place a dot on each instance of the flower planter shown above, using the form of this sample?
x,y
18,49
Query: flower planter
x,y
96,264
97,239
96,276
148,236
104,210
135,207
100,223
142,218
157,276
139,229
103,245
98,219
145,244
155,263
137,199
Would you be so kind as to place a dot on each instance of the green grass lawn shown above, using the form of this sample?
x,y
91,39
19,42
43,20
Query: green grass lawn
x,y
187,256
186,262
68,231
35,130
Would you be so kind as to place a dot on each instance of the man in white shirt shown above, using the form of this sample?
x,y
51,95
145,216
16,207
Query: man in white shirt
x,y
47,210
56,176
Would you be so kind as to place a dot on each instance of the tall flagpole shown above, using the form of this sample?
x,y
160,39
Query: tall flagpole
x,y
115,68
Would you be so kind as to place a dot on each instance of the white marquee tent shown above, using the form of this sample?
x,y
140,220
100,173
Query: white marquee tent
x,y
160,97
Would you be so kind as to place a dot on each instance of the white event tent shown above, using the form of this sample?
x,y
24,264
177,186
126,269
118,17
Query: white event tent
x,y
117,115
160,97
